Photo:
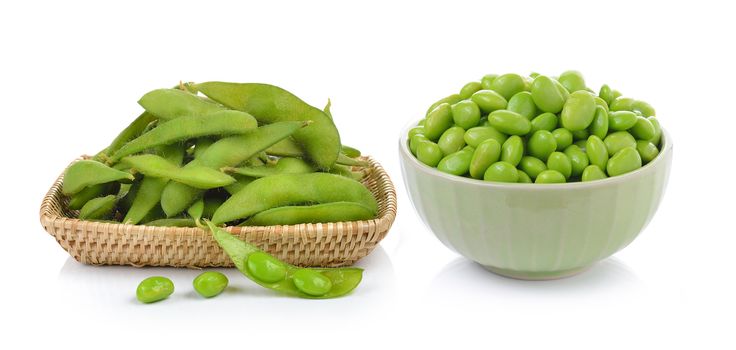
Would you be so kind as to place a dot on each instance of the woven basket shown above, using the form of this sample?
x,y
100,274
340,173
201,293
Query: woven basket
x,y
327,245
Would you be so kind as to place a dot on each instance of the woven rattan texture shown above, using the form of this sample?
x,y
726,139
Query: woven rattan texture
x,y
328,244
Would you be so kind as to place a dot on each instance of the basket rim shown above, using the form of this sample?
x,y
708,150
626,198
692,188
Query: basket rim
x,y
48,216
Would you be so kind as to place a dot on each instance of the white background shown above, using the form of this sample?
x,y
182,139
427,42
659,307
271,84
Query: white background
x,y
71,73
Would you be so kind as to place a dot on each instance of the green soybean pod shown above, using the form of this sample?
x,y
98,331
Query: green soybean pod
x,y
512,150
643,129
465,114
85,173
353,152
624,161
578,111
509,122
452,140
487,80
291,189
606,94
523,104
621,120
596,151
79,199
572,80
657,131
133,130
592,173
563,138
548,94
170,104
508,85
560,162
647,151
269,104
288,147
599,126
524,178
195,176
414,142
98,208
541,144
311,282
501,172
457,163
311,214
285,165
550,177
439,120
209,284
469,89
184,128
578,160
429,153
644,108
450,100
154,289
487,153
532,166
622,104
618,141
474,136
545,121
172,222
489,101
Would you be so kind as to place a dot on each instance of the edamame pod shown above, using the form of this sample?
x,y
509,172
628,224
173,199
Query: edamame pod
x,y
282,166
172,222
184,128
133,130
304,214
342,280
226,152
291,189
269,104
79,199
170,104
196,176
286,148
85,173
98,208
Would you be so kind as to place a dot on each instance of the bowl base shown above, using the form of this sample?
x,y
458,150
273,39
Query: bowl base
x,y
536,275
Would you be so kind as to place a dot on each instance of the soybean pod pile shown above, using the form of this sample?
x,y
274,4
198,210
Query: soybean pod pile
x,y
537,129
230,153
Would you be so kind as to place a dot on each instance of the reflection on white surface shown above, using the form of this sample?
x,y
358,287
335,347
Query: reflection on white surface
x,y
112,288
462,278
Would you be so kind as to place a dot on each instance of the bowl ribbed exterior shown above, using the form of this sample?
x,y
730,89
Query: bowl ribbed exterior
x,y
536,231
324,244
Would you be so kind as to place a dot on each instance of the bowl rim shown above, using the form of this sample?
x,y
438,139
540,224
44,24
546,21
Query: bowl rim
x,y
664,153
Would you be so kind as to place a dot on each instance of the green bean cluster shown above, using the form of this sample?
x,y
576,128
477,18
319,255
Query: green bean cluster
x,y
231,153
536,128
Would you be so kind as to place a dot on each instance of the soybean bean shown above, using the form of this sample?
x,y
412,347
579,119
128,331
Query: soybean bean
x,y
509,122
599,126
452,140
469,89
647,151
545,121
429,153
512,150
644,108
153,289
524,178
508,85
578,160
560,162
618,141
621,120
578,111
596,151
572,80
643,129
532,166
624,161
523,104
487,153
550,177
501,172
542,144
474,136
487,80
592,173
457,163
209,284
439,120
563,138
450,100
548,94
465,114
489,101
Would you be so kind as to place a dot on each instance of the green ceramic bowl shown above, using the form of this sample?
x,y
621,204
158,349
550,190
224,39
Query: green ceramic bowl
x,y
536,231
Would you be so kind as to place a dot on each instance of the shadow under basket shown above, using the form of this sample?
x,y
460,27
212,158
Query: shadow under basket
x,y
324,244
